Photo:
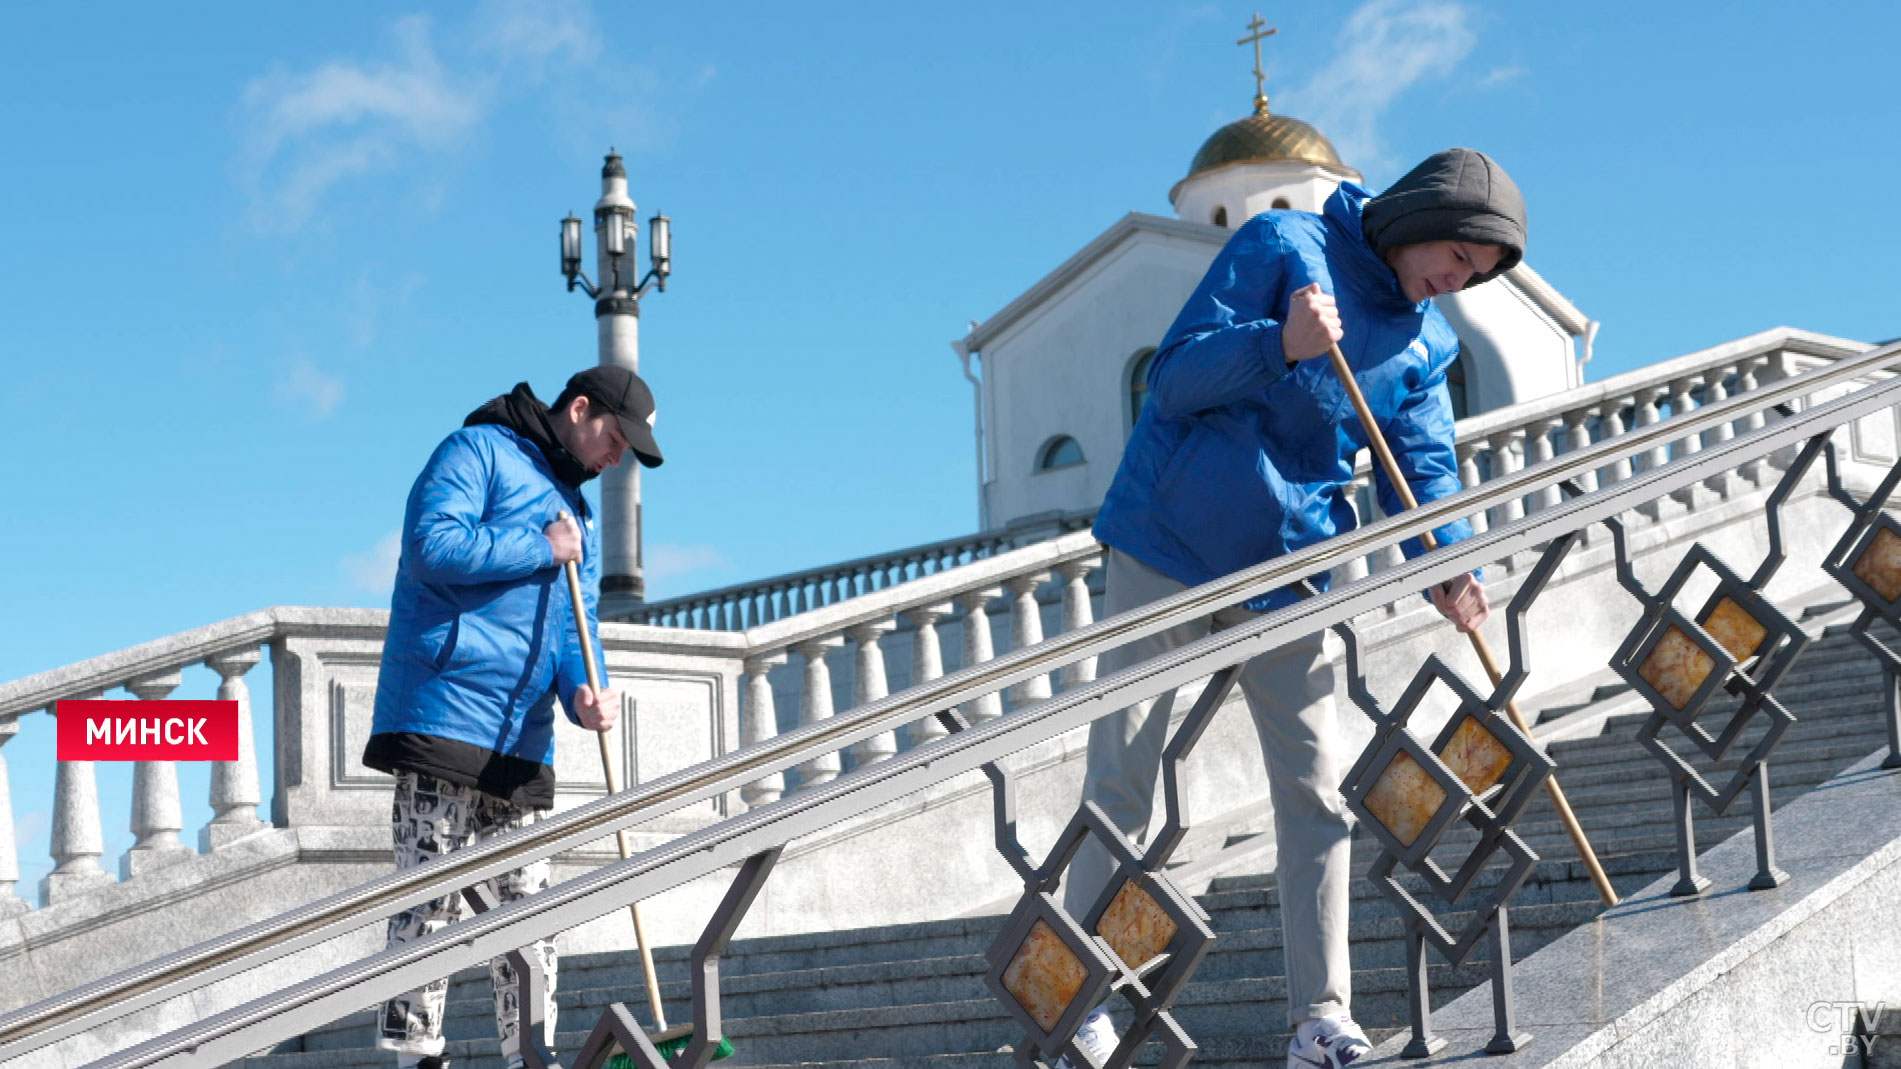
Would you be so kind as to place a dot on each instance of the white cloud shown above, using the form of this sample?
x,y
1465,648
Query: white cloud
x,y
375,571
1385,48
345,118
537,34
310,131
303,386
1501,76
664,561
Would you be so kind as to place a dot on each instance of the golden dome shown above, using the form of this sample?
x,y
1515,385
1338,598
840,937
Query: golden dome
x,y
1264,137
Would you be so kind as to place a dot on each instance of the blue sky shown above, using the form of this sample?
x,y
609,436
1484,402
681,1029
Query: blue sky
x,y
258,260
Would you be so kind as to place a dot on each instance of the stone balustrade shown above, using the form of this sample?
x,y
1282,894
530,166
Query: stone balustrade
x,y
1505,440
683,694
148,672
697,690
978,598
751,604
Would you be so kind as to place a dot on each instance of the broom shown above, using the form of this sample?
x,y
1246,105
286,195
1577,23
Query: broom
x,y
668,1041
1377,441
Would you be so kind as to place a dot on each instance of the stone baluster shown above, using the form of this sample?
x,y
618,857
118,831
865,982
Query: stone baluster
x,y
10,902
1577,428
868,685
77,841
1778,365
1350,570
1723,483
1469,477
234,784
1613,425
1648,415
1681,402
1657,508
978,648
815,704
157,817
1539,450
927,663
1078,613
762,723
1026,629
1506,459
1746,382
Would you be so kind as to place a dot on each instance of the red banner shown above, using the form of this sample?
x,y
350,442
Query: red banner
x,y
102,730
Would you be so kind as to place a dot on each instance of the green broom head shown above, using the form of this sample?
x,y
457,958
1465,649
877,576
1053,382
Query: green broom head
x,y
671,1044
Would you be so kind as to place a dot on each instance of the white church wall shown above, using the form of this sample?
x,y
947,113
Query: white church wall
x,y
1514,351
1244,190
1063,368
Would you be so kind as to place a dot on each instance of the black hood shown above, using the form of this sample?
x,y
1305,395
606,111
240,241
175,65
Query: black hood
x,y
522,412
1455,195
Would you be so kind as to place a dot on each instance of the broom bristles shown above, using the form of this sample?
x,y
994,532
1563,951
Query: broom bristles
x,y
671,1044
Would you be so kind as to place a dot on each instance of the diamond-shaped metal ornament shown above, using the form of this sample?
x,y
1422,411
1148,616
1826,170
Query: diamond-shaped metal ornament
x,y
1867,561
1407,794
1673,663
1739,642
1142,938
1047,972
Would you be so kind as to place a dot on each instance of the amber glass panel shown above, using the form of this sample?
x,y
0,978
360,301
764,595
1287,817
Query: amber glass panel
x,y
1044,975
1676,667
1136,926
1880,564
1735,630
1475,756
1404,798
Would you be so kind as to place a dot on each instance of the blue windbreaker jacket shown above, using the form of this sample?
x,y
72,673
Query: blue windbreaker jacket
x,y
481,631
1237,458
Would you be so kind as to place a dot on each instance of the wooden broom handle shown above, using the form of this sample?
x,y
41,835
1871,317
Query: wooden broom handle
x,y
1394,475
613,787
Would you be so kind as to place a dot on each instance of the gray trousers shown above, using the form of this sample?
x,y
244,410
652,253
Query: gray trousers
x,y
432,817
1289,692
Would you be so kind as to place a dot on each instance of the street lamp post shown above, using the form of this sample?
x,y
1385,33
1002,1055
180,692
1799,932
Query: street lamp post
x,y
617,319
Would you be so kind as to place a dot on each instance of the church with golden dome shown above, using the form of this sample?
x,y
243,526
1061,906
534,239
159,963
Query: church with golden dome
x,y
1058,374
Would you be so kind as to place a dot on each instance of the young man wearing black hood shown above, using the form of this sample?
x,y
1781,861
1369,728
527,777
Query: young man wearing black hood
x,y
482,642
1243,453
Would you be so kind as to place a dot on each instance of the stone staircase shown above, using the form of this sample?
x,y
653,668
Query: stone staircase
x,y
912,995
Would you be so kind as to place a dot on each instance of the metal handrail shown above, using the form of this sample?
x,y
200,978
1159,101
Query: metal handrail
x,y
62,1015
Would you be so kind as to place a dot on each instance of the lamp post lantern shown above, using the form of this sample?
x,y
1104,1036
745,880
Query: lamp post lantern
x,y
617,320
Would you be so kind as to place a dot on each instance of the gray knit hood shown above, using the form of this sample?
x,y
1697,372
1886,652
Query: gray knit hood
x,y
1455,195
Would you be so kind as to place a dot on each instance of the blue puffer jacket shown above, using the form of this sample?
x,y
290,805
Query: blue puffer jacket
x,y
1238,458
481,632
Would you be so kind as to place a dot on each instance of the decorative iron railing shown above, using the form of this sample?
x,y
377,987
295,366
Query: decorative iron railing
x,y
1477,774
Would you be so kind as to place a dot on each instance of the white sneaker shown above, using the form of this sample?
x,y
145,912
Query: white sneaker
x,y
1097,1037
1327,1043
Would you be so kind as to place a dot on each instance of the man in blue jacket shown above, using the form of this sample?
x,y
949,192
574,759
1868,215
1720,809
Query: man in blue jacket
x,y
1242,454
482,642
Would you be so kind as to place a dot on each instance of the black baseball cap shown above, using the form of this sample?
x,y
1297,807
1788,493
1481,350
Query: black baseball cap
x,y
621,392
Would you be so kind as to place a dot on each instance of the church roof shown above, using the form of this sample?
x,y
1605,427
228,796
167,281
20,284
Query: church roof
x,y
1265,137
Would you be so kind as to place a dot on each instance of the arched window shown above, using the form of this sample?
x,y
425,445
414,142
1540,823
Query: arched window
x,y
1455,386
1221,216
1281,204
1059,452
1139,383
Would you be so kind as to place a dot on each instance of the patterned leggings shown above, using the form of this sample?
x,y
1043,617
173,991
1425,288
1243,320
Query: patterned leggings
x,y
433,817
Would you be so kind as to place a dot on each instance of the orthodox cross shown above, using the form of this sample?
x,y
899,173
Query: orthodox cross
x,y
1260,79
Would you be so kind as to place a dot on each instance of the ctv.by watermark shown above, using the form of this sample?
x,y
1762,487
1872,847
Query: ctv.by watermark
x,y
1843,1020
